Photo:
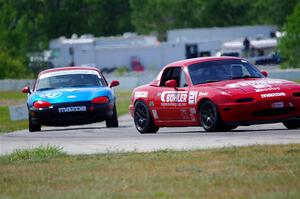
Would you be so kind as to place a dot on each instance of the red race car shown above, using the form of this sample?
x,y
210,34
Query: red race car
x,y
217,93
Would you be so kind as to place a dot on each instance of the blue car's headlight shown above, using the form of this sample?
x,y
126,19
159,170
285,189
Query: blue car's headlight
x,y
41,104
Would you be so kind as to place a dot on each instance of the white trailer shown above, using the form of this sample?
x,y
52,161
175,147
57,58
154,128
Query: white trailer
x,y
113,52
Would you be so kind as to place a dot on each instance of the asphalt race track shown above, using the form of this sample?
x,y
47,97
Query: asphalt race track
x,y
95,138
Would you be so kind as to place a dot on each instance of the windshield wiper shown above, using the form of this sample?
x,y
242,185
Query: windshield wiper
x,y
43,89
244,77
209,81
82,85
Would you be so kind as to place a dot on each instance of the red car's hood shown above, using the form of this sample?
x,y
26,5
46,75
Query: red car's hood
x,y
253,85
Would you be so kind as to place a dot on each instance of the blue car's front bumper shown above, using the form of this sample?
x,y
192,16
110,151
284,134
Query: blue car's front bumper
x,y
53,117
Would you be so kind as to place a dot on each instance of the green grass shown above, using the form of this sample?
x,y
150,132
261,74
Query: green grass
x,y
6,125
15,97
8,95
244,172
41,153
123,102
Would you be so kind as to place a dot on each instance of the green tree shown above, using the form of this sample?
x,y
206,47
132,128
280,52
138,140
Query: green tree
x,y
271,11
162,15
290,43
26,26
109,17
11,67
222,13
12,42
150,16
97,17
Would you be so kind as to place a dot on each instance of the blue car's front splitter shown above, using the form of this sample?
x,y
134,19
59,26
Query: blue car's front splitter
x,y
76,113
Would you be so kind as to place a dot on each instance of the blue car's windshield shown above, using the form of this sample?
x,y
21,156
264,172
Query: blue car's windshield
x,y
214,71
69,81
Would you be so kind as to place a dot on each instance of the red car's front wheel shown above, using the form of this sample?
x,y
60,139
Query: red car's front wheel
x,y
209,116
292,124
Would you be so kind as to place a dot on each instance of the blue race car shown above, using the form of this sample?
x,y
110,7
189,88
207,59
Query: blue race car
x,y
71,96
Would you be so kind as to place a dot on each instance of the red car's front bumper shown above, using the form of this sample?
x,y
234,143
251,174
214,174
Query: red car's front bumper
x,y
260,112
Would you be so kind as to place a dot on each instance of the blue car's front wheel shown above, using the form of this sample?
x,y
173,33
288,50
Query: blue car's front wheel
x,y
33,127
113,122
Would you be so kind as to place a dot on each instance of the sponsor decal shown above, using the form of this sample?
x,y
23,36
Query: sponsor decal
x,y
193,97
72,109
192,114
71,96
174,96
202,94
151,103
50,95
71,89
69,72
154,113
184,114
267,89
192,110
255,84
173,104
141,94
224,93
269,95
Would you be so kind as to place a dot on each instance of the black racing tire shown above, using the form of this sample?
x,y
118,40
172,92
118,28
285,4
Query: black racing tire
x,y
210,118
33,127
113,122
142,119
292,124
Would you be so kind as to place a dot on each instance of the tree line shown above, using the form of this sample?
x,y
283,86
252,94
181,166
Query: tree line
x,y
27,25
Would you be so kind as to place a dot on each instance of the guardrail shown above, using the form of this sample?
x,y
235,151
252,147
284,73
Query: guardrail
x,y
132,80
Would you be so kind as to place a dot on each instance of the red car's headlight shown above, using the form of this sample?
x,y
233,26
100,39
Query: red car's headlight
x,y
41,104
100,100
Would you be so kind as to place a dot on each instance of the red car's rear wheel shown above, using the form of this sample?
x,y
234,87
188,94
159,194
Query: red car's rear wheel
x,y
143,119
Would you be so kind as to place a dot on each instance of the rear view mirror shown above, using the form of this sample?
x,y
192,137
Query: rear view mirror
x,y
265,73
171,83
26,89
114,83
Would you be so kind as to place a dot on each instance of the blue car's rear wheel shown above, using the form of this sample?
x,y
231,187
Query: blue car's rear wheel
x,y
142,118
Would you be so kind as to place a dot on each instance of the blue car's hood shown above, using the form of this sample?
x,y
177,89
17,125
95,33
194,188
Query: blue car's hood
x,y
70,94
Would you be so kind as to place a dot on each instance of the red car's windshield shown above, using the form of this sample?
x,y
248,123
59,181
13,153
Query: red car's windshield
x,y
218,70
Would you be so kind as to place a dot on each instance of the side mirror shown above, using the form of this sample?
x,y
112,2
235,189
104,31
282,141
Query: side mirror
x,y
114,83
26,89
265,73
171,83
